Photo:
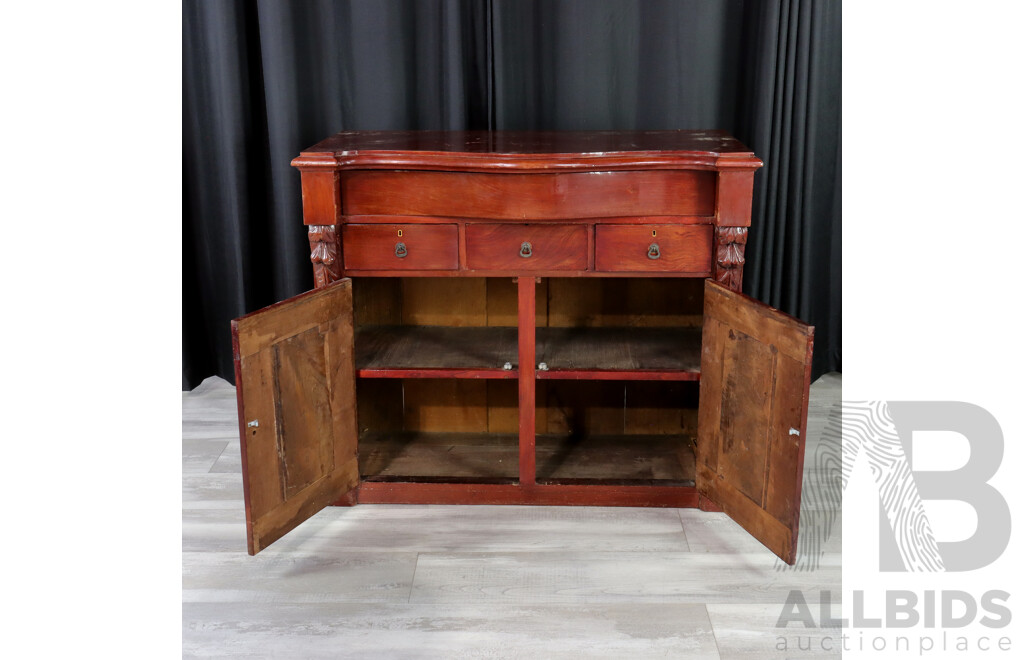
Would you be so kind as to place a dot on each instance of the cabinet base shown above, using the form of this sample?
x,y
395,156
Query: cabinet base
x,y
370,492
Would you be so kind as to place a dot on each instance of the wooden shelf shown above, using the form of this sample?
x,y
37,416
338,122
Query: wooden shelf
x,y
619,353
583,459
494,458
388,456
569,353
436,352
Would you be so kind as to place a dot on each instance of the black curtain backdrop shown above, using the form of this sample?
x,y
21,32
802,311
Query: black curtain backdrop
x,y
263,80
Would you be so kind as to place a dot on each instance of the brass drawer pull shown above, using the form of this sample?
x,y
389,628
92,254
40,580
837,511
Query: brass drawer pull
x,y
400,250
654,251
526,250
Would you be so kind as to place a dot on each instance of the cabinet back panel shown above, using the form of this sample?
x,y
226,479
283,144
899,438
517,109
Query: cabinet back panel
x,y
617,407
622,302
438,405
616,430
444,301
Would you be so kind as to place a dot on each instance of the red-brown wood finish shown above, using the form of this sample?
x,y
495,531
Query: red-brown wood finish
x,y
526,247
513,196
295,370
654,248
489,374
240,402
324,254
540,272
321,203
447,220
730,246
589,204
755,380
735,194
401,247
376,492
470,178
527,298
618,374
527,151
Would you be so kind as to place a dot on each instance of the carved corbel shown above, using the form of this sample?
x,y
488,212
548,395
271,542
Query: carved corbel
x,y
323,246
730,243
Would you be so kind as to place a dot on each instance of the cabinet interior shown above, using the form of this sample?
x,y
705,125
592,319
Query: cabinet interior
x,y
448,430
424,417
623,432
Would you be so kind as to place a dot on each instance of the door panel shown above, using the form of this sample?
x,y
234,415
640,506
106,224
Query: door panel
x,y
295,378
755,379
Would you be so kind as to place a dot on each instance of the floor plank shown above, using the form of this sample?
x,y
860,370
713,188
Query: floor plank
x,y
290,575
594,577
201,455
441,529
343,630
749,632
488,581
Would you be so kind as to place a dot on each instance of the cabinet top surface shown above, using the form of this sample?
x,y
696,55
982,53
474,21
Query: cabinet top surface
x,y
528,149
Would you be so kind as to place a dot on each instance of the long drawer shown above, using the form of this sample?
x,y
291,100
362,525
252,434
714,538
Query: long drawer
x,y
529,197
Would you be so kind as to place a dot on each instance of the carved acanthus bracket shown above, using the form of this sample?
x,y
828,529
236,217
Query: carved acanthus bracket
x,y
323,245
730,243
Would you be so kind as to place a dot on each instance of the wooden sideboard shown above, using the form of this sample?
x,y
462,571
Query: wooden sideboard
x,y
525,318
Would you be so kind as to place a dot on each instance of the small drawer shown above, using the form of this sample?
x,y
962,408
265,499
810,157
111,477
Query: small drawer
x,y
400,247
526,247
653,248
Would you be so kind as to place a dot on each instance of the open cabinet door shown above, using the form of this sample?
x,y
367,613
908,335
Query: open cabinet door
x,y
755,378
295,378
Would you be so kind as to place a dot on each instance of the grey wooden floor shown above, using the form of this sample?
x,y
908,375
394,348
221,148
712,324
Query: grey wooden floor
x,y
488,581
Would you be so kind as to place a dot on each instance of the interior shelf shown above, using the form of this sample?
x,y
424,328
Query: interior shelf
x,y
619,353
621,459
494,458
439,456
413,351
568,353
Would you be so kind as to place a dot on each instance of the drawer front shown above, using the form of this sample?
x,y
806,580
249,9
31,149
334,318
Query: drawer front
x,y
653,248
514,196
526,247
400,247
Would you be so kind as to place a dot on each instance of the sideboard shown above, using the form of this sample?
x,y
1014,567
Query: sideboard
x,y
525,318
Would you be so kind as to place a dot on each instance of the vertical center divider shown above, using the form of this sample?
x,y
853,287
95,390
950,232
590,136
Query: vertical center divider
x,y
527,380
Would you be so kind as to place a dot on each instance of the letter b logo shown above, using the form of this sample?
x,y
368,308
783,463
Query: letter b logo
x,y
906,542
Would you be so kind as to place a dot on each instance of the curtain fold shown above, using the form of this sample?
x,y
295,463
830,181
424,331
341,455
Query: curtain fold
x,y
264,80
790,117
